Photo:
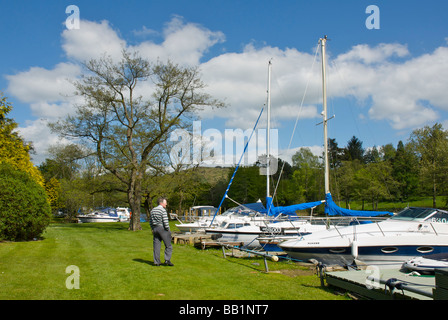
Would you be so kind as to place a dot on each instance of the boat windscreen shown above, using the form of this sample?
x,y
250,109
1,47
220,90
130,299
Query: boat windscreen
x,y
419,214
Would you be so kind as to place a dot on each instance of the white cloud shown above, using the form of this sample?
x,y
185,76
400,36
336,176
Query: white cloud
x,y
367,55
39,134
42,85
241,79
91,41
406,91
184,43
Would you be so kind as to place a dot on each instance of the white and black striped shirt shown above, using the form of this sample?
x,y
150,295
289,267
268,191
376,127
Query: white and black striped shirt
x,y
159,217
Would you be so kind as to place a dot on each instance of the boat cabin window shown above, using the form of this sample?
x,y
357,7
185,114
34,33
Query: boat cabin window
x,y
234,225
240,211
419,214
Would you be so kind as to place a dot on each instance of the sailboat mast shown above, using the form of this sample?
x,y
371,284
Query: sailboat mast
x,y
325,119
268,136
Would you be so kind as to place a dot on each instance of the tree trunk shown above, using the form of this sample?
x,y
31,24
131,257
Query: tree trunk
x,y
135,201
147,204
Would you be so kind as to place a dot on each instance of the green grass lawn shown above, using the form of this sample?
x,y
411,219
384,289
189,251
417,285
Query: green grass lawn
x,y
115,263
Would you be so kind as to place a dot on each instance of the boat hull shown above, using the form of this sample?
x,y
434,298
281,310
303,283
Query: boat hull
x,y
98,219
381,252
247,238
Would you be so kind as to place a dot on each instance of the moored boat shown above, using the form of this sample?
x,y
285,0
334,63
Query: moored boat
x,y
412,232
104,215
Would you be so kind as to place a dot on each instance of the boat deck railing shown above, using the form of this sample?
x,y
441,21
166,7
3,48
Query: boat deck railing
x,y
419,230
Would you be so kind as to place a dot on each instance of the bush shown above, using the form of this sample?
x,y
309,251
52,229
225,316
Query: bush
x,y
24,208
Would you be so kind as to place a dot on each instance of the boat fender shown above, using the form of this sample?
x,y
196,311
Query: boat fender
x,y
355,249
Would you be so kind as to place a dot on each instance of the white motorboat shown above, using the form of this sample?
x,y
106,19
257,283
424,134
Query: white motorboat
x,y
124,214
410,233
277,232
239,230
198,225
212,221
106,215
428,264
253,225
202,216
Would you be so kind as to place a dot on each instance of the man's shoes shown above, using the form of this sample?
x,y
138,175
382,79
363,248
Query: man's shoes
x,y
168,263
156,264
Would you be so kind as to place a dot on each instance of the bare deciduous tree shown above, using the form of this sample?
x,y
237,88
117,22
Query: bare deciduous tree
x,y
125,123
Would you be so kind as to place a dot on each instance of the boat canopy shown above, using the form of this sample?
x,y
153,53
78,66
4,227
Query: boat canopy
x,y
332,209
289,210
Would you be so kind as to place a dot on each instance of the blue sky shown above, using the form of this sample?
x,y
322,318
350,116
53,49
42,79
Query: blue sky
x,y
383,83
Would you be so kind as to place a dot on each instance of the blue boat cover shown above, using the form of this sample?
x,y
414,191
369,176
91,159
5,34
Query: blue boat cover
x,y
289,210
256,206
332,209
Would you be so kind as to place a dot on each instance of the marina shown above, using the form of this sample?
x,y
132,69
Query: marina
x,y
382,248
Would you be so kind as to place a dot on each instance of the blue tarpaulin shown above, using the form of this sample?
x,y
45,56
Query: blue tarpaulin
x,y
332,209
289,210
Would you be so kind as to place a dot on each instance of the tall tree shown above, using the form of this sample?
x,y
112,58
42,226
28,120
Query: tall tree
x,y
335,154
306,174
405,171
431,144
124,127
354,150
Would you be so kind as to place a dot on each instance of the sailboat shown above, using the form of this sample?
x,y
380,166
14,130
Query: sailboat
x,y
247,230
412,232
271,241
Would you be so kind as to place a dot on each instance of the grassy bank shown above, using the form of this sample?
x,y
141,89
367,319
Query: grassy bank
x,y
115,263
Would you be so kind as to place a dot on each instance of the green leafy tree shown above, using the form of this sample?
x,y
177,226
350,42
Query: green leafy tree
x,y
248,185
354,150
53,189
345,181
13,149
405,170
431,145
306,174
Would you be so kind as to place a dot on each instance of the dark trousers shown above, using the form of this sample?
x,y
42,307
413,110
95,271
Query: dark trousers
x,y
160,234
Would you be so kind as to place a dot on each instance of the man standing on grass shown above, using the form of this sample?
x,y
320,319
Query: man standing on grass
x,y
161,232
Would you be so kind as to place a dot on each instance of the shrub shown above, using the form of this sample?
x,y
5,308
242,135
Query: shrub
x,y
24,208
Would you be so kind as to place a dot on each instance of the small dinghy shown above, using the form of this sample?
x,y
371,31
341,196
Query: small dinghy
x,y
427,264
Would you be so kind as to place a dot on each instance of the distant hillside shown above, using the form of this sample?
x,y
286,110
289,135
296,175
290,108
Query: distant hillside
x,y
214,175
